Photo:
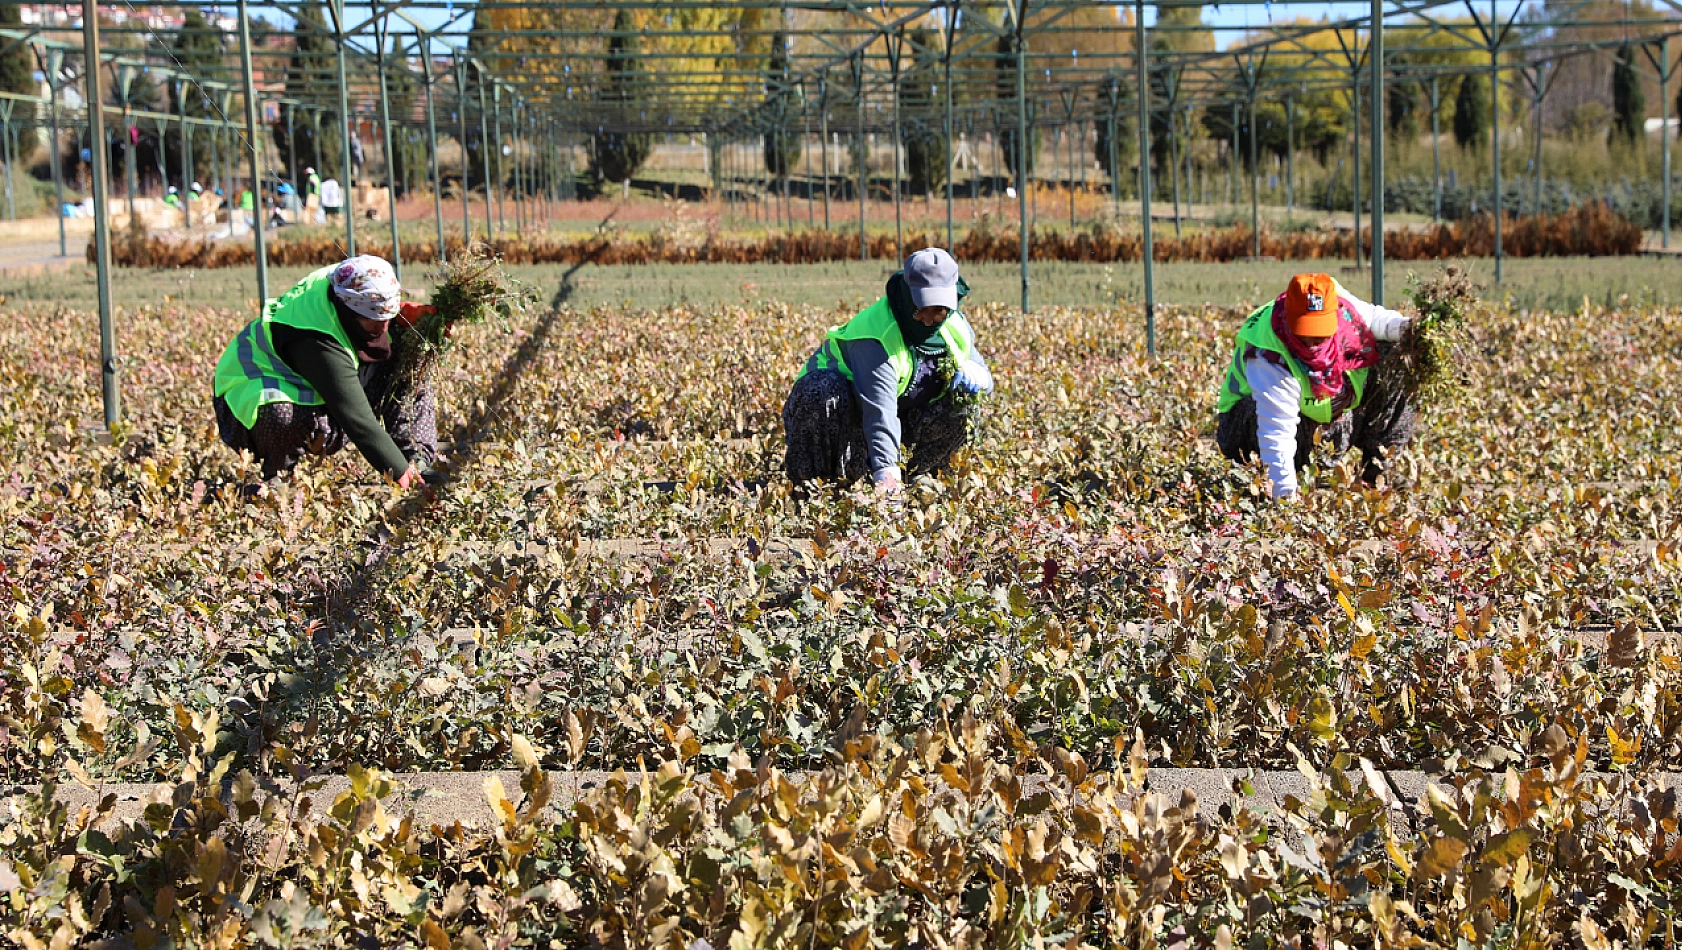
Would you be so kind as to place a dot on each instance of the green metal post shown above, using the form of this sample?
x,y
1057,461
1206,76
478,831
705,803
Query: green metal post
x,y
101,210
1355,175
1255,179
381,34
460,70
337,8
485,156
1141,59
254,146
1495,125
1290,156
425,40
946,86
823,142
1022,145
896,47
1112,89
1664,138
292,154
1436,156
55,63
496,154
862,156
1376,56
130,182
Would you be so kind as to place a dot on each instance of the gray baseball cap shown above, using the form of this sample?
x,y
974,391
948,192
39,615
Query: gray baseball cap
x,y
932,275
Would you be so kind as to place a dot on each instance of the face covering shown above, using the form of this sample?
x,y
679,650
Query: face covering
x,y
370,347
917,336
1328,364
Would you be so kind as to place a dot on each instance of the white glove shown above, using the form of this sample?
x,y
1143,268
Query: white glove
x,y
972,377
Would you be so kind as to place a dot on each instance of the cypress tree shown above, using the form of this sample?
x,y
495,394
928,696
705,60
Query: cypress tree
x,y
198,48
928,153
616,156
17,74
782,146
1471,112
1126,139
1005,65
1629,103
309,75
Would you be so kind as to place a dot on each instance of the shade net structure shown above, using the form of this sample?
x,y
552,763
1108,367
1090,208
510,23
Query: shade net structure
x,y
532,100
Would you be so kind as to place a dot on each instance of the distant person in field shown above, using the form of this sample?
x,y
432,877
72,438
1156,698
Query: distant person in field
x,y
312,194
888,377
319,368
1308,365
332,198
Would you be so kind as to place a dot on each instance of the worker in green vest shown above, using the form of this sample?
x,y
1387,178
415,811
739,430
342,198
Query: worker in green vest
x,y
1310,367
887,377
172,198
320,368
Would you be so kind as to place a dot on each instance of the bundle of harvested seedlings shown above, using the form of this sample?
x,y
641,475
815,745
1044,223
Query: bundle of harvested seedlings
x,y
471,288
1433,355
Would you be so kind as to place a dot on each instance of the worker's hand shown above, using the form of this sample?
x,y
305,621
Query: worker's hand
x,y
1406,335
972,377
888,484
411,478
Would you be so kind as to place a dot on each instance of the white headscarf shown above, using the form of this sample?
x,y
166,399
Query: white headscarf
x,y
368,286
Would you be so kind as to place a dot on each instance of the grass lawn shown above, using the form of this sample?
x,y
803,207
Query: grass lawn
x,y
1536,283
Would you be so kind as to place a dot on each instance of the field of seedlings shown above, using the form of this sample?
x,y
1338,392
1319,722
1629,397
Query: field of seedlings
x,y
843,720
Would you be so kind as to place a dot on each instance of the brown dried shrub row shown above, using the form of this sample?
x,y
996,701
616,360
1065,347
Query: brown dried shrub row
x,y
1589,230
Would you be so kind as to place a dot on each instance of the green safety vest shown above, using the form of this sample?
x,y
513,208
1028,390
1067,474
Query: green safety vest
x,y
314,184
876,322
251,375
245,201
1257,334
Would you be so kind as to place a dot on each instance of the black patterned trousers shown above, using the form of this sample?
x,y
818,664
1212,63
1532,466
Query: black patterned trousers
x,y
1380,426
825,430
285,432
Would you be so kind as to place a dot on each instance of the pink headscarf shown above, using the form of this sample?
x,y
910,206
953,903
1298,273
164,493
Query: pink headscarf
x,y
368,286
